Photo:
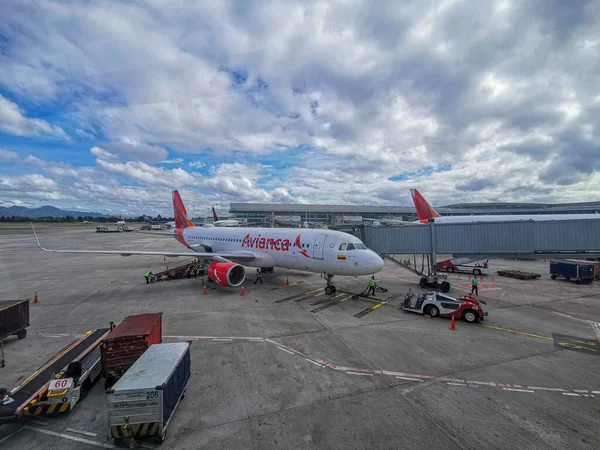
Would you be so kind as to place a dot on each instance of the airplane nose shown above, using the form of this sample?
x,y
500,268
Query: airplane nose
x,y
377,262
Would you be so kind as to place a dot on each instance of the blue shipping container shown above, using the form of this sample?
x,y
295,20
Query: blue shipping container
x,y
143,401
578,271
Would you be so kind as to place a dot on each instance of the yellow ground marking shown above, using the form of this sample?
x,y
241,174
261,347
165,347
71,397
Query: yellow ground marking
x,y
517,332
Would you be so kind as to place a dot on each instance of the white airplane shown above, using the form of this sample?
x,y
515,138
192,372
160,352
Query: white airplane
x,y
223,222
386,222
224,249
426,212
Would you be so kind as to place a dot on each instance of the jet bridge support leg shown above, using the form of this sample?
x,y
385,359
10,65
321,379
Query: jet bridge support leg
x,y
431,280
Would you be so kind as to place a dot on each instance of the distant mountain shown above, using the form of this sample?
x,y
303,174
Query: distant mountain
x,y
44,211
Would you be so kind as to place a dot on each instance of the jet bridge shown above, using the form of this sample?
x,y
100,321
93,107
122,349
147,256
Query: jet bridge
x,y
578,238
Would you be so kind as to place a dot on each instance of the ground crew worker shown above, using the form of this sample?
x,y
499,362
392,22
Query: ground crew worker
x,y
371,285
474,283
258,276
147,276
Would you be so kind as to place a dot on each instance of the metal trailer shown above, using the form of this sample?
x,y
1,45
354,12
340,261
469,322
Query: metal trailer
x,y
14,318
32,395
576,270
127,342
190,270
142,403
451,265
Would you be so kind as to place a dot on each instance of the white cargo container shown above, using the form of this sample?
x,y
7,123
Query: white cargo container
x,y
141,404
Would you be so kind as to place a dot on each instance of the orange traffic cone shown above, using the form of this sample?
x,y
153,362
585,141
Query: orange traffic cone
x,y
35,298
204,293
287,281
243,291
202,281
453,324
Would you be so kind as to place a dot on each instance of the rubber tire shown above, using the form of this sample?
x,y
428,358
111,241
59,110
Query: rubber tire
x,y
553,276
118,442
334,288
423,283
469,316
476,272
450,269
328,290
445,286
430,310
22,333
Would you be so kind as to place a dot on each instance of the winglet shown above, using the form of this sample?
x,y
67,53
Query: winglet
x,y
424,210
215,217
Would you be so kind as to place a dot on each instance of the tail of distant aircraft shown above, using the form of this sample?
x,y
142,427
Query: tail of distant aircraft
x,y
215,217
181,220
424,210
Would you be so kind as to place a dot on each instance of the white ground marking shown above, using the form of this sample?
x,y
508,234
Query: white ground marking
x,y
6,438
519,390
400,375
596,328
72,438
85,433
315,363
409,379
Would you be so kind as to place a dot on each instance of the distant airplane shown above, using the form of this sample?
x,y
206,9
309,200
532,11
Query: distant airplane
x,y
310,224
85,222
426,212
223,222
318,251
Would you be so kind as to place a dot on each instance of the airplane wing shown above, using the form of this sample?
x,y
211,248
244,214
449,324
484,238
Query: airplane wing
x,y
239,257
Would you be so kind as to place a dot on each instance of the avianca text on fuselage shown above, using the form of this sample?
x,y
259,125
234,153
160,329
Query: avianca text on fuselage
x,y
269,243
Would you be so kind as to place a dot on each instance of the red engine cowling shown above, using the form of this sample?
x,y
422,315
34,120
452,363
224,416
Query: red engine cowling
x,y
227,273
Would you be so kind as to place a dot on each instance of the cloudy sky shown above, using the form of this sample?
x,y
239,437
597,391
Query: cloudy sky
x,y
108,105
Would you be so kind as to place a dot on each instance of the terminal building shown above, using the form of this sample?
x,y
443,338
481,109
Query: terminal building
x,y
277,214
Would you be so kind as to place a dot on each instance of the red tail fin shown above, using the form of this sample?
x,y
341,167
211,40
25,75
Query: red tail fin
x,y
215,217
424,210
180,213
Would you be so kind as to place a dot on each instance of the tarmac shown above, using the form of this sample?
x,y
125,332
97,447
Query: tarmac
x,y
285,366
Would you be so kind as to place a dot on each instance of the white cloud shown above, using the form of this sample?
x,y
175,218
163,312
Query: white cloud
x,y
363,93
143,172
7,155
13,121
140,151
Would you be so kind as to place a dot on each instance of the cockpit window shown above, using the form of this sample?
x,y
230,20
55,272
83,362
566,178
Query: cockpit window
x,y
342,246
350,247
360,246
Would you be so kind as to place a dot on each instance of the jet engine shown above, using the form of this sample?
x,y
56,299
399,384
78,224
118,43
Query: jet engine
x,y
227,273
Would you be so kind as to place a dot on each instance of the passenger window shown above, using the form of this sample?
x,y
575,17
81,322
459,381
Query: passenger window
x,y
342,246
350,247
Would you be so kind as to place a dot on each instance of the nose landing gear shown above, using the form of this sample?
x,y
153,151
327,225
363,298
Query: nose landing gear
x,y
330,288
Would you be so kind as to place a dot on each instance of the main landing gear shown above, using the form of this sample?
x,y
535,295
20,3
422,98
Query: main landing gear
x,y
330,288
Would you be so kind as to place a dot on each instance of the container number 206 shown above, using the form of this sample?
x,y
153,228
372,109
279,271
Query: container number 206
x,y
151,395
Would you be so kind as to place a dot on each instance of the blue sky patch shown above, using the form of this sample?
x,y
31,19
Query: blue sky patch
x,y
422,172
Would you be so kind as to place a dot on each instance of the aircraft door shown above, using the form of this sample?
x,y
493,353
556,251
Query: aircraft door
x,y
318,246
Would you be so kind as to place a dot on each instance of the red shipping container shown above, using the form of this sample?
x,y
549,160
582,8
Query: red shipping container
x,y
127,342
